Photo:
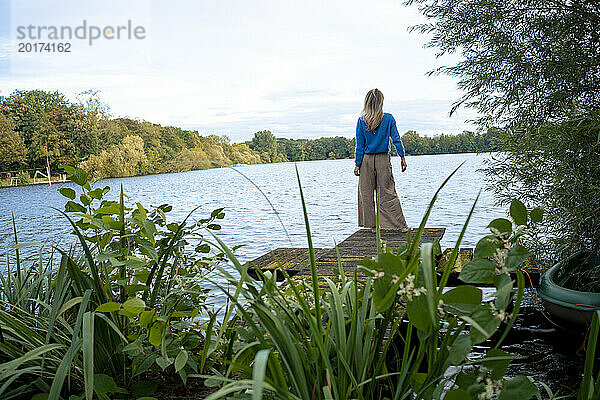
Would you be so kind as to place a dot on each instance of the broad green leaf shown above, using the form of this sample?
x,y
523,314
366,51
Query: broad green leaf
x,y
500,224
518,388
68,169
203,248
107,256
181,360
391,264
68,193
143,389
79,177
86,201
150,230
460,350
504,286
457,394
142,211
142,275
497,361
109,208
156,332
479,270
180,314
486,247
164,364
147,248
381,288
96,194
418,314
111,306
536,215
518,212
134,305
71,206
516,255
104,384
465,298
127,314
133,289
213,381
483,324
469,382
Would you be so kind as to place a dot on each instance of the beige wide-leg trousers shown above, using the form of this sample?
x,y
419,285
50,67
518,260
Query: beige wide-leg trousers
x,y
376,172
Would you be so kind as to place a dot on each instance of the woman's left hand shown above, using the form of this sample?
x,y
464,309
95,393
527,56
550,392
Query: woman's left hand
x,y
403,164
357,171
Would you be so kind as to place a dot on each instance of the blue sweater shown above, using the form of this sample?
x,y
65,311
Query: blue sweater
x,y
378,141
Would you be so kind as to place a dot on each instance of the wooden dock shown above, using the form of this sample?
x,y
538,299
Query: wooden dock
x,y
358,246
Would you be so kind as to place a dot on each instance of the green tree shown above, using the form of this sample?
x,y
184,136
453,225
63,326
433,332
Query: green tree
x,y
532,68
522,60
125,159
265,143
52,128
13,153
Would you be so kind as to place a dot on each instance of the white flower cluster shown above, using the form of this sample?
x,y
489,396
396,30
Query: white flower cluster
x,y
500,235
499,258
491,389
500,314
440,308
407,288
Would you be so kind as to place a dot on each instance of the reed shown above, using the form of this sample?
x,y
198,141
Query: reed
x,y
399,335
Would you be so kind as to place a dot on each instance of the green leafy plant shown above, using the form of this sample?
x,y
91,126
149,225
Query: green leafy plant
x,y
342,339
589,389
553,166
128,301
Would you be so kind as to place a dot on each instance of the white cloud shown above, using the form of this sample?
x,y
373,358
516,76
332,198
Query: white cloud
x,y
299,69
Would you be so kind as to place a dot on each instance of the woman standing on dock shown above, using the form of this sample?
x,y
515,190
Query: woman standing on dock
x,y
374,130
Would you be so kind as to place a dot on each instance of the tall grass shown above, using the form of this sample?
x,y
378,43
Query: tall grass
x,y
394,337
122,305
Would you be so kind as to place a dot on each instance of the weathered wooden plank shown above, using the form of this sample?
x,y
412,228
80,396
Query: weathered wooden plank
x,y
363,244
288,258
358,246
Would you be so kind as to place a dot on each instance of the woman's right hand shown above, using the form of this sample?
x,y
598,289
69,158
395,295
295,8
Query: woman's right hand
x,y
357,171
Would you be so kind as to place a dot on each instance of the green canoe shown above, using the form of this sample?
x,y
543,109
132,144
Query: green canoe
x,y
568,304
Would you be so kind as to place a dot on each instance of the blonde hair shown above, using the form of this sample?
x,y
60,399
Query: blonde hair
x,y
372,112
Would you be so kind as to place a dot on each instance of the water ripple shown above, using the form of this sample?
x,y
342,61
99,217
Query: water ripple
x,y
330,190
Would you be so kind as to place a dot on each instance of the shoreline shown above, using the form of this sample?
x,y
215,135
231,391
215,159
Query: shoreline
x,y
2,186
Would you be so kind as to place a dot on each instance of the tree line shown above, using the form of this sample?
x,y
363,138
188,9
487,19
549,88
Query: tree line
x,y
39,128
273,149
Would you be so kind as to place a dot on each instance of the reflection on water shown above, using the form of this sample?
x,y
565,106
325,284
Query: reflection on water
x,y
330,190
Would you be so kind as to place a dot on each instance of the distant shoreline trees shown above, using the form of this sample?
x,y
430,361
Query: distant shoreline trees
x,y
273,149
38,127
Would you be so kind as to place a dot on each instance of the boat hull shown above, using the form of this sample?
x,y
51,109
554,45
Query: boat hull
x,y
567,304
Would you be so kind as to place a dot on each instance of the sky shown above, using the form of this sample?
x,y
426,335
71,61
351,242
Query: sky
x,y
297,68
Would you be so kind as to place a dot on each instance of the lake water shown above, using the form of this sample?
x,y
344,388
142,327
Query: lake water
x,y
330,190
